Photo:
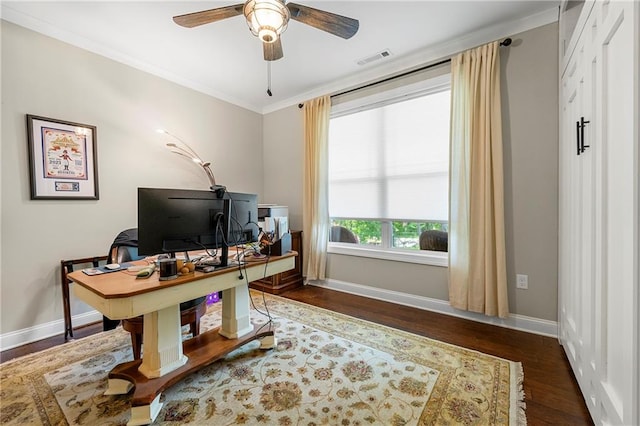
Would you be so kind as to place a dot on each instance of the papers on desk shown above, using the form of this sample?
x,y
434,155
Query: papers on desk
x,y
104,270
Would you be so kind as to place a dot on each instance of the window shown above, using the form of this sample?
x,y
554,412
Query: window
x,y
389,164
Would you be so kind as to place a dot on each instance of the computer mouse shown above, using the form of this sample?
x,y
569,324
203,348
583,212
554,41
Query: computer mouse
x,y
112,266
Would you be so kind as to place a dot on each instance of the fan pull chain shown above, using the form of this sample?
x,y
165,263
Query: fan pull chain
x,y
269,78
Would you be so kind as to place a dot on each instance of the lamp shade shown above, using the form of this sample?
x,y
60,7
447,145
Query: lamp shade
x,y
267,19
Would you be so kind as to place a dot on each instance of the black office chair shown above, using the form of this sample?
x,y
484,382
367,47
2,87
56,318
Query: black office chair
x,y
434,240
125,249
340,234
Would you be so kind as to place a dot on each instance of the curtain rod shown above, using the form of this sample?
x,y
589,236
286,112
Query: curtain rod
x,y
506,42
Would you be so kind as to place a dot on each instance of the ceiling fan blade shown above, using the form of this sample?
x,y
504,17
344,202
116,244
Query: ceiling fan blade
x,y
339,25
273,51
195,19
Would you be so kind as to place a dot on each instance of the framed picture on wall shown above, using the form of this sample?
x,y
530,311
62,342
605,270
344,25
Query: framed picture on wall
x,y
62,159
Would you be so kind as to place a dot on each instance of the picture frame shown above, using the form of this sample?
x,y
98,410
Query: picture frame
x,y
62,159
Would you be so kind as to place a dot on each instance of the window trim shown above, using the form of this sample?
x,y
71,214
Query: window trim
x,y
381,100
423,257
398,87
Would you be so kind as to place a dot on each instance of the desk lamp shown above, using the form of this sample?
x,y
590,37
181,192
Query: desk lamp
x,y
183,149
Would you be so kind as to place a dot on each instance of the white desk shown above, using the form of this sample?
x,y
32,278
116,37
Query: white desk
x,y
119,295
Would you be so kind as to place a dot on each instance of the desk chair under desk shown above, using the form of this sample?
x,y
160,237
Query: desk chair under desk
x,y
125,249
164,361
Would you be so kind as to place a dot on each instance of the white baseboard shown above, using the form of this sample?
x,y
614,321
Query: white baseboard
x,y
516,322
43,331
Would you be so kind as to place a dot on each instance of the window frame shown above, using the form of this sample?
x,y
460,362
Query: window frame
x,y
423,257
430,85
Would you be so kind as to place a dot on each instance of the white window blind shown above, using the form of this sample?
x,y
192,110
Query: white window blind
x,y
389,155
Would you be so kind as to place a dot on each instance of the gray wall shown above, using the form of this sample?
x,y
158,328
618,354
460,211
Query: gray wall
x,y
43,76
284,160
530,134
46,77
530,131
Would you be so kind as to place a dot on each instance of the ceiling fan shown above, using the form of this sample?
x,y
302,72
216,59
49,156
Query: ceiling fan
x,y
267,19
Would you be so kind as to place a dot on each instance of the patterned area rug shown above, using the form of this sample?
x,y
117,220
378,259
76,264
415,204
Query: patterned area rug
x,y
327,369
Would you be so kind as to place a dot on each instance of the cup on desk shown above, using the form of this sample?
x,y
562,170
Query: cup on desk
x,y
168,269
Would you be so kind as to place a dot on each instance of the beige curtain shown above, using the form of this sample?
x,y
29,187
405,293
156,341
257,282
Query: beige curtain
x,y
315,215
477,264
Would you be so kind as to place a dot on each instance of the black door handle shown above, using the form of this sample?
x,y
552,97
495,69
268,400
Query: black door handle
x,y
582,124
578,136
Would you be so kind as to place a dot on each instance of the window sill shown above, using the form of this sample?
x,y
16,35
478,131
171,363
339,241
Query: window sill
x,y
424,258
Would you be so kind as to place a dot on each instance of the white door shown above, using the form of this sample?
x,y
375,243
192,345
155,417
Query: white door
x,y
616,108
576,248
598,299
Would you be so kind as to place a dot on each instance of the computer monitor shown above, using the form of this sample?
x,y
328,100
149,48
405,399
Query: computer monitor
x,y
180,220
243,224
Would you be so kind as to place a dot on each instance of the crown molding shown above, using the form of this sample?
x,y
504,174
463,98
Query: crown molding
x,y
423,57
16,17
397,65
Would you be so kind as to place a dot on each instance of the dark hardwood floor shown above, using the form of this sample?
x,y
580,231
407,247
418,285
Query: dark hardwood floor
x,y
551,392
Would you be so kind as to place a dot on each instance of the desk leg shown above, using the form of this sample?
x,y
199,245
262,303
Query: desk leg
x,y
235,312
118,386
145,414
162,343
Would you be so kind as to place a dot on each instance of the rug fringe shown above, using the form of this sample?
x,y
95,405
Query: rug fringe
x,y
521,404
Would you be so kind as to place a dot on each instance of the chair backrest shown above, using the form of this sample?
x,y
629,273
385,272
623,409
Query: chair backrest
x,y
126,254
125,247
434,240
343,235
66,267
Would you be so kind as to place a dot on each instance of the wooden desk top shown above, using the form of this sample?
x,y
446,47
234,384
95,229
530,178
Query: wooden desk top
x,y
123,284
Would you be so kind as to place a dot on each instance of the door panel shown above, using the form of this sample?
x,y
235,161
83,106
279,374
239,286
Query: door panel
x,y
598,240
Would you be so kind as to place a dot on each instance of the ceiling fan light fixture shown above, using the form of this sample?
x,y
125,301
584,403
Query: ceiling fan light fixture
x,y
267,19
267,34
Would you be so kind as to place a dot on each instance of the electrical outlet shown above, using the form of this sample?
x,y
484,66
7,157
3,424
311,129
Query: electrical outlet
x,y
522,281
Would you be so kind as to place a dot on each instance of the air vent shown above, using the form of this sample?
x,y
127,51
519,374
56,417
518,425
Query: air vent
x,y
380,55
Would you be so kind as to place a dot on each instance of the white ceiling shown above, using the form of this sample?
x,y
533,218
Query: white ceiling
x,y
224,60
